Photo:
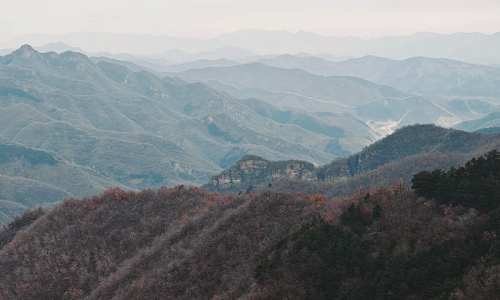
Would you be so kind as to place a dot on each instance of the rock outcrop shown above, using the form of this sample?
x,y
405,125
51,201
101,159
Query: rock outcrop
x,y
251,170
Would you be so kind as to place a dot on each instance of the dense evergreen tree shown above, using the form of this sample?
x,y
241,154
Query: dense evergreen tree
x,y
476,184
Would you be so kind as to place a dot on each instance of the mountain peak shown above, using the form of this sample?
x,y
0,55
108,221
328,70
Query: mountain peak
x,y
26,51
26,47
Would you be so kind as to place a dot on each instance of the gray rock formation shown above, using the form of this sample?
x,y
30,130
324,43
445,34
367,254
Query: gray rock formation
x,y
255,170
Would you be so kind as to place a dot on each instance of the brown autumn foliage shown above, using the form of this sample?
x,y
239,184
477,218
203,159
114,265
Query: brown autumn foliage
x,y
180,243
20,222
185,243
410,222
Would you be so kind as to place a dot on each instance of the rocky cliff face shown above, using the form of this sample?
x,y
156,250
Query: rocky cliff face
x,y
338,169
256,170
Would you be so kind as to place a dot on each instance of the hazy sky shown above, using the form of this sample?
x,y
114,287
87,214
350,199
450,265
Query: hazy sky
x,y
205,19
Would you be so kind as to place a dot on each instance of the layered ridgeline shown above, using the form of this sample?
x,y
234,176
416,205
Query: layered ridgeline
x,y
407,151
420,75
471,47
290,82
185,243
106,125
340,91
415,90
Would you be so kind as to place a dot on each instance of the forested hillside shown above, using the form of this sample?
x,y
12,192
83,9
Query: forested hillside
x,y
185,243
390,243
413,140
409,150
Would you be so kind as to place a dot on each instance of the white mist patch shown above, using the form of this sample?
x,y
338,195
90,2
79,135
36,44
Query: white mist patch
x,y
448,121
383,128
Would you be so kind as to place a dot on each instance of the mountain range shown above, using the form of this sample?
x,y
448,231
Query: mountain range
x,y
420,75
116,127
470,47
117,123
382,107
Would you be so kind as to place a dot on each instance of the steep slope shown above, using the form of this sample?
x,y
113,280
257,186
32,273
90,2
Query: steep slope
x,y
9,209
383,114
470,109
129,65
281,99
489,130
332,120
443,77
396,242
197,100
297,89
304,120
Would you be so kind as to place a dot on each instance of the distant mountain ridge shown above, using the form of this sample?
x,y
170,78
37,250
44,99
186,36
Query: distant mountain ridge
x,y
158,62
469,47
199,64
382,107
420,75
344,91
